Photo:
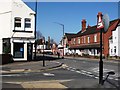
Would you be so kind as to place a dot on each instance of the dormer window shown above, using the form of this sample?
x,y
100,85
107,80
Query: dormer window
x,y
27,23
17,22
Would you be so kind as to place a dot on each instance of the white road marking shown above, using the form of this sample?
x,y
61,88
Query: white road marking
x,y
83,71
78,71
90,74
104,70
48,74
116,79
96,77
72,70
9,75
68,68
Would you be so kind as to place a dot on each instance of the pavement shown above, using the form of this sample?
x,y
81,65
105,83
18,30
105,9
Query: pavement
x,y
33,66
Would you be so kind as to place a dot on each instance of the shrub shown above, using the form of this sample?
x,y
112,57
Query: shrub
x,y
85,55
96,57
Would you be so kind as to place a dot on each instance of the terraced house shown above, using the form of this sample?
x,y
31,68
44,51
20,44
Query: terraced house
x,y
17,29
87,40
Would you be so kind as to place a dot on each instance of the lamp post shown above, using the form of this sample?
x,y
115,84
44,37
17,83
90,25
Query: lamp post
x,y
35,28
63,35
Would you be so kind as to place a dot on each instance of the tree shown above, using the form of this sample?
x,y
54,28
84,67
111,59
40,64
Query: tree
x,y
39,35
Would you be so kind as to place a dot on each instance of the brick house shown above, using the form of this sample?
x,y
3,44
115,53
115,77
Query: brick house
x,y
87,41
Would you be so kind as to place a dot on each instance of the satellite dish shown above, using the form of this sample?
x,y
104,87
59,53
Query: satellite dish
x,y
106,22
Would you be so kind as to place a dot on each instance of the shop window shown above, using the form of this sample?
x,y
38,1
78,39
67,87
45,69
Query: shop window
x,y
18,50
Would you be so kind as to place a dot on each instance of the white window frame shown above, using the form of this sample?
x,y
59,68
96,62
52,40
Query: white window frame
x,y
27,22
84,39
79,40
95,38
74,41
88,39
17,20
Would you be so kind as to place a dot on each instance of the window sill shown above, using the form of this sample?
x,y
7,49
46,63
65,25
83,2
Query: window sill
x,y
22,31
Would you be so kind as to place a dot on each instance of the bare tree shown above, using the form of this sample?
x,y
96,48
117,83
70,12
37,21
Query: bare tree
x,y
39,35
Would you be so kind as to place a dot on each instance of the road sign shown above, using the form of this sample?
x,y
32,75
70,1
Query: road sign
x,y
100,24
106,22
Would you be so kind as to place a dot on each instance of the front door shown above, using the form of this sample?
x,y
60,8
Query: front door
x,y
29,51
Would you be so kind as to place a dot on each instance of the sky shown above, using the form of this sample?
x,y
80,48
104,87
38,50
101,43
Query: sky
x,y
70,14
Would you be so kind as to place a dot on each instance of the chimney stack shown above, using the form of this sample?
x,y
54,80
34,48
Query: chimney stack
x,y
83,25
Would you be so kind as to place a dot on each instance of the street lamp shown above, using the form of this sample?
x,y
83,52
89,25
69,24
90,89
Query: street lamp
x,y
35,28
63,35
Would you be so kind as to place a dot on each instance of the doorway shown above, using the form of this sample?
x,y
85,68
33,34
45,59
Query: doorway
x,y
29,51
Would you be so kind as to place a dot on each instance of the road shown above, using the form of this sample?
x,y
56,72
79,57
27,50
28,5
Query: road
x,y
92,67
74,73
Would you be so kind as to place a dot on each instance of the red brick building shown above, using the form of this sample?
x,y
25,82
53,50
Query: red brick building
x,y
87,40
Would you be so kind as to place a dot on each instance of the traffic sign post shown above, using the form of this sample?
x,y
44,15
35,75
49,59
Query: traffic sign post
x,y
101,61
102,25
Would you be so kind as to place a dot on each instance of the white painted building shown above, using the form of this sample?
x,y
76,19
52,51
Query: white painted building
x,y
114,42
17,24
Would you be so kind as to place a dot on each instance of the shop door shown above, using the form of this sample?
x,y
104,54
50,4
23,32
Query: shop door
x,y
29,51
